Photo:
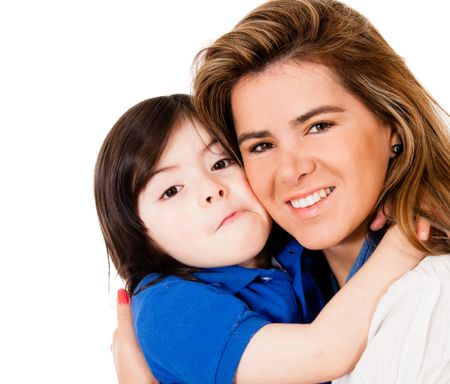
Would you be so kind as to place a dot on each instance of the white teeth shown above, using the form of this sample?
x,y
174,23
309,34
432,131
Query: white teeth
x,y
312,199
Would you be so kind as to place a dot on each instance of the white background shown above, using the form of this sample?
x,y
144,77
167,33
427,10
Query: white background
x,y
68,70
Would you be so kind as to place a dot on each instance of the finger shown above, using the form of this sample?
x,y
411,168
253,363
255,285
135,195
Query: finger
x,y
422,229
124,317
379,221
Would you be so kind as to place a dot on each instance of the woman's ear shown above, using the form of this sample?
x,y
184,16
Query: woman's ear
x,y
396,143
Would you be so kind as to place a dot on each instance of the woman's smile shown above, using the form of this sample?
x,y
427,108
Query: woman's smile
x,y
313,204
322,153
312,198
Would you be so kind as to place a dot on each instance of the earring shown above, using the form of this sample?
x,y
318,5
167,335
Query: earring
x,y
397,149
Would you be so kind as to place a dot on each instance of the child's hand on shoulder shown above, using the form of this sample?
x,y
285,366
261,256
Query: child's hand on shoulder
x,y
396,240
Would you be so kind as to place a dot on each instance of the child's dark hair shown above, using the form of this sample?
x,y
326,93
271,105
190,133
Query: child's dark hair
x,y
125,162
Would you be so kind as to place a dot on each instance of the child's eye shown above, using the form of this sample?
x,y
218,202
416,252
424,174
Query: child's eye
x,y
170,192
260,147
222,163
319,127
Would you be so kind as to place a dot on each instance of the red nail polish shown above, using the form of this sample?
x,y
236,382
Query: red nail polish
x,y
122,296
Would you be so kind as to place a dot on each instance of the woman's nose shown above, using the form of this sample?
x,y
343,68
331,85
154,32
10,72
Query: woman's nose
x,y
293,163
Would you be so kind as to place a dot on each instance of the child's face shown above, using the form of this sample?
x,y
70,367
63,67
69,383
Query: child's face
x,y
198,206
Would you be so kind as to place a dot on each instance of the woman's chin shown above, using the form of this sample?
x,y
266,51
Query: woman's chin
x,y
318,241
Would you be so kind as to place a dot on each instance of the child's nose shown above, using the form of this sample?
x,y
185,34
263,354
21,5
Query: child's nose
x,y
219,193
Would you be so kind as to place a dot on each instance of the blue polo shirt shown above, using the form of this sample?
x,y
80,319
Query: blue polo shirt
x,y
196,332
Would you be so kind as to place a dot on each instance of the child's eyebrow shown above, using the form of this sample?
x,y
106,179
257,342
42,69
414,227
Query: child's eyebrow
x,y
211,144
161,170
207,147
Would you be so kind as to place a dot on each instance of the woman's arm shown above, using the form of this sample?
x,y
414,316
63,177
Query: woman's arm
x,y
326,349
330,346
129,360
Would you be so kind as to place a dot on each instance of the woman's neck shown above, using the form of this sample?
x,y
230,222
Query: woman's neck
x,y
342,256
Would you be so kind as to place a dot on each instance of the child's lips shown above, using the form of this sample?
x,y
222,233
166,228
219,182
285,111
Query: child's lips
x,y
229,218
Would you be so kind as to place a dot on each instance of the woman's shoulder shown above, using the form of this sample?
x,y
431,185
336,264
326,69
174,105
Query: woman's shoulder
x,y
408,336
434,266
432,274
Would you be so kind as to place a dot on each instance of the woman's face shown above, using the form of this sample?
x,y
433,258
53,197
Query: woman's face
x,y
315,156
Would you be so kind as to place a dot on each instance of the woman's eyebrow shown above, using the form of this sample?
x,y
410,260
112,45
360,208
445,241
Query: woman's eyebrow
x,y
298,120
315,111
253,135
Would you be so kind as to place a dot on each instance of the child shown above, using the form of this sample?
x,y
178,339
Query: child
x,y
210,303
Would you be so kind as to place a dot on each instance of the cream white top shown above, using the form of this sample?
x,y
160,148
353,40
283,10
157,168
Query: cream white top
x,y
409,336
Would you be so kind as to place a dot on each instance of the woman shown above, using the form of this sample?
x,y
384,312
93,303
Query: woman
x,y
217,294
312,98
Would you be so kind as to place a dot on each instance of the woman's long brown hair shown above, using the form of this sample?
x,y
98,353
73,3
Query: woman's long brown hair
x,y
330,33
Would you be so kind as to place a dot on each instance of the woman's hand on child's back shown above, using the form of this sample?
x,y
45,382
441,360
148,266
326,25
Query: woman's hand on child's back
x,y
129,360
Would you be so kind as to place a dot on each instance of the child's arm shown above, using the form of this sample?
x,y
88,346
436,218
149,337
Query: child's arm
x,y
330,346
279,353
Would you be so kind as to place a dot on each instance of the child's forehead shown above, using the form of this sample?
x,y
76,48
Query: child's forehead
x,y
189,139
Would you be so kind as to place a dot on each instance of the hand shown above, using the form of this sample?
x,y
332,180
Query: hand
x,y
396,242
422,226
131,366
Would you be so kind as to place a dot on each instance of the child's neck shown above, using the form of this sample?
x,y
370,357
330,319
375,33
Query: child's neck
x,y
262,260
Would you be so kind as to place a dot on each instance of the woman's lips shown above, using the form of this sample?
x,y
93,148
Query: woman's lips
x,y
312,198
316,207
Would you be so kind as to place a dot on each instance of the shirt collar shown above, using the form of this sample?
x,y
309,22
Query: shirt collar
x,y
234,278
366,251
312,278
314,282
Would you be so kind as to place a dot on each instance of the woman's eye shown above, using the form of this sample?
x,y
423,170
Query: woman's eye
x,y
319,127
260,147
222,163
170,192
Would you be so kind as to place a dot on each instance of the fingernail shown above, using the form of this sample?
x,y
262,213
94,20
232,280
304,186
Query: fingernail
x,y
122,296
423,236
